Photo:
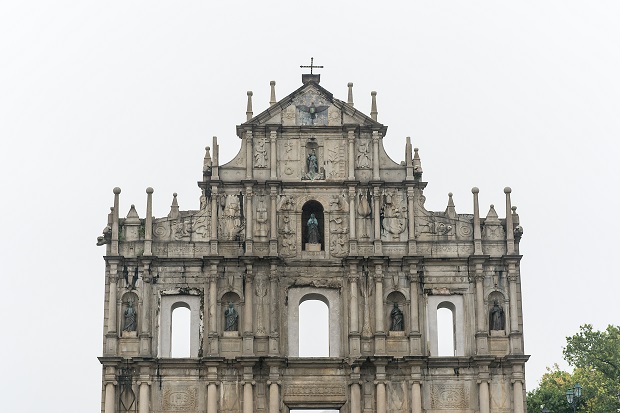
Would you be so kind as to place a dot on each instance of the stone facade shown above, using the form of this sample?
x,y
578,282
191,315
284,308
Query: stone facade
x,y
244,262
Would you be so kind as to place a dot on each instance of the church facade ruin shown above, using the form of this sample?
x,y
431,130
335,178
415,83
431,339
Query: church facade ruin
x,y
312,207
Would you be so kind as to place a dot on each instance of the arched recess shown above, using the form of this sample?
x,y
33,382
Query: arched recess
x,y
494,315
168,304
309,208
453,303
129,319
398,298
330,297
230,298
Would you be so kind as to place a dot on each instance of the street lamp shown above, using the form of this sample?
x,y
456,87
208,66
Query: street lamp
x,y
573,395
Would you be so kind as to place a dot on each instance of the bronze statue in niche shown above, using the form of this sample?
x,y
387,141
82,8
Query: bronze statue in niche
x,y
232,318
398,320
497,320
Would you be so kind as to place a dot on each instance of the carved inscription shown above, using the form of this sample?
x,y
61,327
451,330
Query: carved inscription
x,y
178,400
449,396
313,389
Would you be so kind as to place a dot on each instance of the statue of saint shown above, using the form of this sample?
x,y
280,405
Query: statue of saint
x,y
129,322
496,317
398,321
232,318
313,164
313,230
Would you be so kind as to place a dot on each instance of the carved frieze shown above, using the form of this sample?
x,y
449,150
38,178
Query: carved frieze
x,y
180,399
449,396
260,153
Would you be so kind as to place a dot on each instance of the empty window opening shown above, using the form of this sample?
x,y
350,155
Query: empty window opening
x,y
313,329
445,332
180,331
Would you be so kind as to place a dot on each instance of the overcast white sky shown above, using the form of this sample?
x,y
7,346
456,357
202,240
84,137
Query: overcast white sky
x,y
95,95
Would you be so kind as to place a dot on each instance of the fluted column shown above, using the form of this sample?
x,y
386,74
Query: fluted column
x,y
512,286
248,389
375,156
273,222
214,221
381,397
112,318
376,215
249,164
411,220
273,311
379,324
481,315
249,220
415,337
354,320
416,397
212,304
248,311
351,140
273,149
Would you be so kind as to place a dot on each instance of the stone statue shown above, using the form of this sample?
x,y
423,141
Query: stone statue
x,y
363,159
313,230
496,317
398,321
313,164
232,318
129,323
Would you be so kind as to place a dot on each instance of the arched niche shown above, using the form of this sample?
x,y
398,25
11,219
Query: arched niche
x,y
331,297
309,208
168,304
233,298
398,298
496,316
453,303
129,319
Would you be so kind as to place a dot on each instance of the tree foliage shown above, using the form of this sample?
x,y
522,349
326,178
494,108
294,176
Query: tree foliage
x,y
595,356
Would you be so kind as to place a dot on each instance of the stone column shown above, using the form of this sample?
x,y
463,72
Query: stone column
x,y
512,286
148,223
416,397
249,165
415,338
379,321
375,156
213,347
351,140
510,236
112,332
481,333
376,215
354,320
352,229
145,319
483,396
248,390
248,311
356,395
411,221
214,221
114,246
212,397
273,311
145,397
274,396
273,149
110,398
518,396
249,219
273,221
380,383
477,233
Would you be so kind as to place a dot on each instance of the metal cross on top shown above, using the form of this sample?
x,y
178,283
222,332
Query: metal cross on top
x,y
312,66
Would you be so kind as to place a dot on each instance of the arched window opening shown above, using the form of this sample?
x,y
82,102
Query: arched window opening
x,y
312,225
313,327
180,331
446,334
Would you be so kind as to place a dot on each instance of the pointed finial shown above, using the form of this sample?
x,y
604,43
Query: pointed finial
x,y
272,99
350,97
408,158
206,164
132,216
174,208
373,106
492,215
417,164
450,210
249,112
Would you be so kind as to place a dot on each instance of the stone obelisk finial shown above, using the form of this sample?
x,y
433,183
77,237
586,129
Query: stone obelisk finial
x,y
510,238
477,232
248,111
350,97
148,225
272,99
373,106
116,191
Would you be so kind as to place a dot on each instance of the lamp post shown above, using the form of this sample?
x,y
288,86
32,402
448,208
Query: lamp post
x,y
573,395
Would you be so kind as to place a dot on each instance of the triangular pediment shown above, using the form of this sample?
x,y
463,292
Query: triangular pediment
x,y
311,105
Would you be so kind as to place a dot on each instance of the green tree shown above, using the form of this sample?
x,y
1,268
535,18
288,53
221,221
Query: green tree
x,y
595,356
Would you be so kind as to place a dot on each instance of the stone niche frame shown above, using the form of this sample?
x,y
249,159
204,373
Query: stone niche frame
x,y
168,303
329,296
456,305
